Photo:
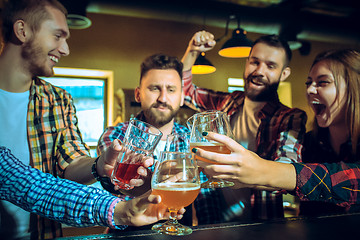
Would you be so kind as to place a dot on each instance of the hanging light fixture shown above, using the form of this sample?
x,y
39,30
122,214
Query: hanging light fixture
x,y
202,65
76,18
238,46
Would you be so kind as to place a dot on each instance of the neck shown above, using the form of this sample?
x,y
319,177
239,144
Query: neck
x,y
165,129
253,104
338,135
13,74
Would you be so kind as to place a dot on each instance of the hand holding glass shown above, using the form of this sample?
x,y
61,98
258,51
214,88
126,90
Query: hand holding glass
x,y
176,180
140,140
210,121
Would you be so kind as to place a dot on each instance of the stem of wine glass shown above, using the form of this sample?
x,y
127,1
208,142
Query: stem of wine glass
x,y
173,216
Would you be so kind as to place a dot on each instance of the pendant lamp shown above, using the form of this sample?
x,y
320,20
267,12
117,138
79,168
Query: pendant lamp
x,y
202,65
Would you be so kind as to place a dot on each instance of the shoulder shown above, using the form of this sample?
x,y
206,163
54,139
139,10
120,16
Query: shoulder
x,y
48,90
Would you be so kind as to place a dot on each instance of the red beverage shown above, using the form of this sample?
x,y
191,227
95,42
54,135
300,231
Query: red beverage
x,y
176,195
124,172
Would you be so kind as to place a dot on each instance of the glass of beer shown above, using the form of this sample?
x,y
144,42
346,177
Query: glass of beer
x,y
176,180
210,121
139,141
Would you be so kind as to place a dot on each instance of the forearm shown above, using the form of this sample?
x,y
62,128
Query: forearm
x,y
189,59
276,176
338,183
58,199
79,170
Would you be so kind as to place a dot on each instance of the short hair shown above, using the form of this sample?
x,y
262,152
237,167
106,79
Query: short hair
x,y
345,64
32,12
278,42
160,61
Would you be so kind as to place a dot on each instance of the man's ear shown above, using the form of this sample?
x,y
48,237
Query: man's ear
x,y
285,74
21,31
137,94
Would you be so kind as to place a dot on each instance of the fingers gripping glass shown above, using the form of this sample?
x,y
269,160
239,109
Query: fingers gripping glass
x,y
210,121
140,140
176,180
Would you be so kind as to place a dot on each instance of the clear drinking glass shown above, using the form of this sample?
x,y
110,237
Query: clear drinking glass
x,y
210,121
178,142
140,140
176,180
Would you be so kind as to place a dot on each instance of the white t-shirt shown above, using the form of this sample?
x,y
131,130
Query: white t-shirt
x,y
159,148
13,135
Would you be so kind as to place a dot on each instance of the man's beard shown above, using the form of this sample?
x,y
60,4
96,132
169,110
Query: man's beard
x,y
268,93
32,52
159,119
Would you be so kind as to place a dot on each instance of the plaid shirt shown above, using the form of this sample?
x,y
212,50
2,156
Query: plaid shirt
x,y
58,199
209,202
327,178
54,139
279,137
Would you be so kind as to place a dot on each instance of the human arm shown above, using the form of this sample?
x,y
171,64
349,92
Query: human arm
x,y
245,168
337,183
72,203
201,99
201,41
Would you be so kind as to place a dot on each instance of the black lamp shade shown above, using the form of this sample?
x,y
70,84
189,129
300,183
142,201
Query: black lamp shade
x,y
236,47
202,65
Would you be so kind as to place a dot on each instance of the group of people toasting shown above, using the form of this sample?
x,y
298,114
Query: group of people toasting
x,y
270,152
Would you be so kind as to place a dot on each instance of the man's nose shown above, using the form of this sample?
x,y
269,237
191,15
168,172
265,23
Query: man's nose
x,y
260,69
162,96
64,49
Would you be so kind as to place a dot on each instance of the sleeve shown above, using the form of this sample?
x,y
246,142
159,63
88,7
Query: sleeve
x,y
202,99
292,132
69,143
54,198
109,135
338,183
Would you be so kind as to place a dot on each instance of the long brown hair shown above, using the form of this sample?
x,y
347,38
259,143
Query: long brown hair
x,y
346,64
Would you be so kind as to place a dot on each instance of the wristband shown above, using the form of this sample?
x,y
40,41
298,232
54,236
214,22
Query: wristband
x,y
94,171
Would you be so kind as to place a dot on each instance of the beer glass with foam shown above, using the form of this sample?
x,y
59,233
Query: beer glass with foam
x,y
176,180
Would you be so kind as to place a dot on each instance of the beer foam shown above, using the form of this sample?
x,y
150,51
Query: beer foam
x,y
177,186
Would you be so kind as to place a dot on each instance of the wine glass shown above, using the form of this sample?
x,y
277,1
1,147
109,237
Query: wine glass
x,y
210,121
176,180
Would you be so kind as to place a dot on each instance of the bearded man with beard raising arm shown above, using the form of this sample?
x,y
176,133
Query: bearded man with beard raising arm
x,y
259,121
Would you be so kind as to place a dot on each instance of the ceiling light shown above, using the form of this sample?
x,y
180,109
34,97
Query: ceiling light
x,y
202,65
238,46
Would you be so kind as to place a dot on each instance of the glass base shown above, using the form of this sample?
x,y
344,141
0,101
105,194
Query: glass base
x,y
217,184
171,228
